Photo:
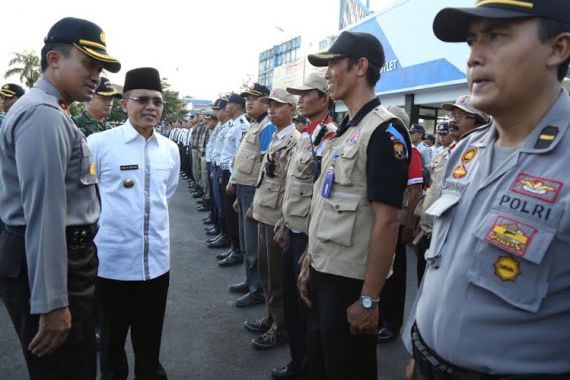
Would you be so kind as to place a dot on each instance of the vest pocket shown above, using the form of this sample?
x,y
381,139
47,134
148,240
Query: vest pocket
x,y
337,220
268,194
344,165
299,199
245,161
509,260
88,174
252,135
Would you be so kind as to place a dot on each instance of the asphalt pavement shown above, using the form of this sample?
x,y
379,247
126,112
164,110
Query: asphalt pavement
x,y
203,336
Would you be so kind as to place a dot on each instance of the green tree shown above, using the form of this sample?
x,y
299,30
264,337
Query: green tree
x,y
174,108
27,66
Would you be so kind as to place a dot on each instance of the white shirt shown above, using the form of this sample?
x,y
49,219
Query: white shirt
x,y
232,139
133,241
219,143
278,136
211,142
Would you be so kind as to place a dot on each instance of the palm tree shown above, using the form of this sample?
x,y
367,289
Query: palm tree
x,y
28,67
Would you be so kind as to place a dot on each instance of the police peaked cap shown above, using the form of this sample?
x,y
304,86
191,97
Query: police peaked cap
x,y
85,36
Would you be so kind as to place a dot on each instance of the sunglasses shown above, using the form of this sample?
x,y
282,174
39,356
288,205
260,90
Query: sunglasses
x,y
144,100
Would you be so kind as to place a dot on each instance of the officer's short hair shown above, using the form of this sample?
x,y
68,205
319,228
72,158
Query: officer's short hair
x,y
64,49
550,28
372,74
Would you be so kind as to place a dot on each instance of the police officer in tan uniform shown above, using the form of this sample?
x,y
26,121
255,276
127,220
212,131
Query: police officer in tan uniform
x,y
494,299
354,215
267,210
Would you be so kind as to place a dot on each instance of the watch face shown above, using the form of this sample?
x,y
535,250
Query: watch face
x,y
366,303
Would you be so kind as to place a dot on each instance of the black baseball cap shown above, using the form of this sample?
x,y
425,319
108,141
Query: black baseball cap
x,y
106,89
354,45
452,24
85,36
219,104
9,90
442,129
235,98
257,89
417,128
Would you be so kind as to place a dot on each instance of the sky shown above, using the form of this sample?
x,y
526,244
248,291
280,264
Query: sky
x,y
203,47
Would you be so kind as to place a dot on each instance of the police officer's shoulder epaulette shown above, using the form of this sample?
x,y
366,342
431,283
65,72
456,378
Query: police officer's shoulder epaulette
x,y
546,137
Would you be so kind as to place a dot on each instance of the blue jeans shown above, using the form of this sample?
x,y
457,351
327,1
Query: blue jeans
x,y
248,237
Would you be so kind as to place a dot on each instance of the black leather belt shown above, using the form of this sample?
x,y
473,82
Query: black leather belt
x,y
80,236
433,367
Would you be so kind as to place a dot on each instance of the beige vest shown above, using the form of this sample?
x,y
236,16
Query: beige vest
x,y
341,225
300,181
437,171
268,199
247,163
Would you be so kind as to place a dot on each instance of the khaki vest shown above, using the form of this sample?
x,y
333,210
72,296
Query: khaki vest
x,y
341,225
437,172
268,199
247,163
300,181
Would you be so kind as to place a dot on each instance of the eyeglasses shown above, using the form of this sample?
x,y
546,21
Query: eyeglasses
x,y
144,100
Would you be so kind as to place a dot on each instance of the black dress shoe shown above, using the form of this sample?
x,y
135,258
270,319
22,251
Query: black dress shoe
x,y
223,255
386,335
210,228
287,372
208,222
214,239
231,260
204,208
259,325
212,232
206,218
249,300
241,288
198,194
221,243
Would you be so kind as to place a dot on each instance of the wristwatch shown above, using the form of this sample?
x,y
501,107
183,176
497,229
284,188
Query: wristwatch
x,y
368,302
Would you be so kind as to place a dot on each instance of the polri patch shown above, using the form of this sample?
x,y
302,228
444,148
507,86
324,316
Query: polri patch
x,y
507,268
459,172
535,187
469,155
129,167
511,235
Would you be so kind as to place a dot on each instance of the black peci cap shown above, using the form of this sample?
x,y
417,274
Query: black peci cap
x,y
143,78
256,90
106,89
9,90
354,45
235,98
85,36
452,24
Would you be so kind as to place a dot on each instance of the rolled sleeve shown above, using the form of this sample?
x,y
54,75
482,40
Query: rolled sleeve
x,y
43,145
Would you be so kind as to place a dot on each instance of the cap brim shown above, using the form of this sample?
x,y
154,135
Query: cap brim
x,y
7,94
252,93
300,89
452,24
322,59
114,94
266,99
108,62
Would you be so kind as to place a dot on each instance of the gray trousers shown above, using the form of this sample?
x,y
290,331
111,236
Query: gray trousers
x,y
196,168
270,267
205,178
248,237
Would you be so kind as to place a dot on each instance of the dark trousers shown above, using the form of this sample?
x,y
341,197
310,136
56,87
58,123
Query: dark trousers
x,y
188,159
333,352
76,359
393,295
140,306
270,276
214,213
248,237
231,227
216,195
295,308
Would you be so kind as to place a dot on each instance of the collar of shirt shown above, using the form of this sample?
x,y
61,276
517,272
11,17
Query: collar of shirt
x,y
131,134
313,124
347,123
237,119
48,88
260,118
285,132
